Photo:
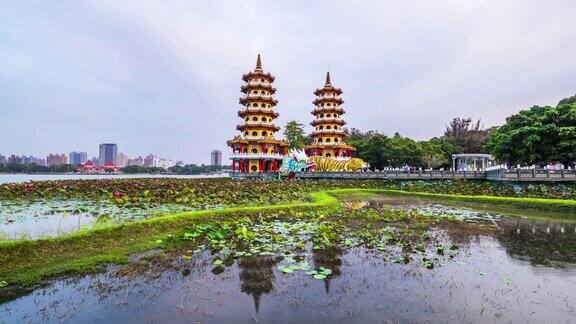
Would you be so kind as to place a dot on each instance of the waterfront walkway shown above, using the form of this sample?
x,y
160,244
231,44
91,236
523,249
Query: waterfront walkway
x,y
514,175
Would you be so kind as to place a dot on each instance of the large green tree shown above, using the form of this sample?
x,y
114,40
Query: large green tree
x,y
382,151
295,135
437,152
538,135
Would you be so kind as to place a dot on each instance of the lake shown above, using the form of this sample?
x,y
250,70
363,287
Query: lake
x,y
517,269
17,178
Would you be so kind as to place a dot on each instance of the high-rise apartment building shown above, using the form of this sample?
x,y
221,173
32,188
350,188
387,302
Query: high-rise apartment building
x,y
108,154
56,159
122,160
151,160
14,159
77,158
139,161
216,158
32,160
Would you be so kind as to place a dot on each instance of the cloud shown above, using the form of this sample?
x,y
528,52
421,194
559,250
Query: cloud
x,y
164,76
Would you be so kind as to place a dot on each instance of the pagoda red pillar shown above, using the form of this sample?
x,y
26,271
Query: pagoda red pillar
x,y
233,166
275,165
241,166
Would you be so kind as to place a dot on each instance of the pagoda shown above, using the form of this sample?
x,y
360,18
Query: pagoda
x,y
328,134
256,149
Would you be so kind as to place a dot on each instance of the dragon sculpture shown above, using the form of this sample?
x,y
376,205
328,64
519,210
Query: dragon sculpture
x,y
298,161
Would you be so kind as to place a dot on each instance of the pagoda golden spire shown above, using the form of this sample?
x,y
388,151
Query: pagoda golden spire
x,y
256,149
258,64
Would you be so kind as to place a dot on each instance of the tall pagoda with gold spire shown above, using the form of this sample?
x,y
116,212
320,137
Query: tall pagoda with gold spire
x,y
256,149
328,134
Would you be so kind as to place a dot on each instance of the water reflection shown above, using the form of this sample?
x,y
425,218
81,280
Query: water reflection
x,y
481,284
330,258
548,243
256,276
519,271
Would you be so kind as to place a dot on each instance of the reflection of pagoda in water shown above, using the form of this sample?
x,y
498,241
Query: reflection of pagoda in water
x,y
328,134
257,149
257,276
329,258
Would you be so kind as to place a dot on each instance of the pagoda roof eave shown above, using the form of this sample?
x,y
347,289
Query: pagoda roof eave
x,y
333,100
257,74
269,100
334,146
328,109
323,132
328,90
320,121
258,141
247,87
267,112
257,126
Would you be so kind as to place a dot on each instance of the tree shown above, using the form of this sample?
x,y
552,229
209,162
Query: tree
x,y
382,151
374,150
433,155
35,168
538,135
567,101
469,137
404,151
295,135
197,169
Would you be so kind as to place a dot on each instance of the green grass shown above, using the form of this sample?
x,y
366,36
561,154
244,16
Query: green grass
x,y
29,262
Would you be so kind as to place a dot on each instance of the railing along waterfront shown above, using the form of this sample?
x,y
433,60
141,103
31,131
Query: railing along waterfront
x,y
531,175
395,174
513,175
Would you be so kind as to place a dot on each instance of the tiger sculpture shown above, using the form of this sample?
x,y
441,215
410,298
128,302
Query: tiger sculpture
x,y
326,164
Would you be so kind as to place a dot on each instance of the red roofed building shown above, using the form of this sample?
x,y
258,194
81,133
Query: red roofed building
x,y
90,167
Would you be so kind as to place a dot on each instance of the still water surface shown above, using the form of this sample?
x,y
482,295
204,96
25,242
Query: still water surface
x,y
17,178
523,272
485,282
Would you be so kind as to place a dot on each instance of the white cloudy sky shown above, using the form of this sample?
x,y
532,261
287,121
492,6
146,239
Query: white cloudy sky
x,y
165,76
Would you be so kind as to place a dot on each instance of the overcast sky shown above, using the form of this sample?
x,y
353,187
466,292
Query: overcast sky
x,y
165,76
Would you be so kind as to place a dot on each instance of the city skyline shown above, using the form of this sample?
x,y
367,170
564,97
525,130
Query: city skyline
x,y
81,157
98,68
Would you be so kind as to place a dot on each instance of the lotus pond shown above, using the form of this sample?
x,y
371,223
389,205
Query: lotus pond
x,y
376,258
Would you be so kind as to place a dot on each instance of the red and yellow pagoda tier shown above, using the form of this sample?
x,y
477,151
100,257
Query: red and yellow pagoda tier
x,y
328,134
256,149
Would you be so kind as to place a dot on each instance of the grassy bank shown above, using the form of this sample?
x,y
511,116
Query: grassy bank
x,y
29,262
